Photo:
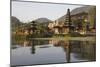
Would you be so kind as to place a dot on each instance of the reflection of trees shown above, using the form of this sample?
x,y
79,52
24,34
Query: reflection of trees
x,y
56,43
67,48
33,47
89,50
26,43
65,45
36,42
81,49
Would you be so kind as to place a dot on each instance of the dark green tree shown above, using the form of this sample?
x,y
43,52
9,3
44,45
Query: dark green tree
x,y
92,16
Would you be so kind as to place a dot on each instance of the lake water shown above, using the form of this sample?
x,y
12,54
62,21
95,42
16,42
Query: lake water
x,y
33,52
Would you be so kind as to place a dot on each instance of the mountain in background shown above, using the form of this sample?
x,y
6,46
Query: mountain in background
x,y
42,20
15,21
76,11
81,9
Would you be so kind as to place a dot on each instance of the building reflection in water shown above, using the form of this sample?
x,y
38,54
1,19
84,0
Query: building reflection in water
x,y
33,47
34,43
81,49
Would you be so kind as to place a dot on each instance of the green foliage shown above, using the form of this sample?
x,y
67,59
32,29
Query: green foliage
x,y
92,15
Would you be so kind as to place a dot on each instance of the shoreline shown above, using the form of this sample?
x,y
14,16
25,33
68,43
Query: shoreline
x,y
67,38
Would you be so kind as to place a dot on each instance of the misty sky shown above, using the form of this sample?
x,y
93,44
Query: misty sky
x,y
28,11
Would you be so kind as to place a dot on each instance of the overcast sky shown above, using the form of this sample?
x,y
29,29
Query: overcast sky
x,y
28,11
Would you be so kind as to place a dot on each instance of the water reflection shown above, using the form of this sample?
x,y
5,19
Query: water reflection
x,y
71,51
33,47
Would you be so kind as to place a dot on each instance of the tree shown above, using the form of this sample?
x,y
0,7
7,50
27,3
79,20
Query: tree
x,y
92,16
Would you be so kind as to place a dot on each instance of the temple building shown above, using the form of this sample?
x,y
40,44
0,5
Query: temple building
x,y
75,21
62,27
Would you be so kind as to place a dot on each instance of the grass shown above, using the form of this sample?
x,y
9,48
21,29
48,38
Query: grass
x,y
68,38
57,37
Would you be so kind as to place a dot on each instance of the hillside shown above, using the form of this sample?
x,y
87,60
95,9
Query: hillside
x,y
42,20
76,11
15,23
